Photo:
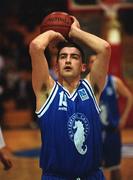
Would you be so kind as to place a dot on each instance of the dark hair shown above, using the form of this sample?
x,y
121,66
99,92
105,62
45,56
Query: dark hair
x,y
63,44
48,56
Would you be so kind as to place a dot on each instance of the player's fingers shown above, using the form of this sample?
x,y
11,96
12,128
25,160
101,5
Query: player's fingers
x,y
7,165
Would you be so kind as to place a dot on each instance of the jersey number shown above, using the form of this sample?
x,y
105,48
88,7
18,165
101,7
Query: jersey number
x,y
62,101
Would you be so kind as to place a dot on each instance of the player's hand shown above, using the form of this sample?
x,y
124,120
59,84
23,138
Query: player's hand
x,y
58,37
5,159
74,27
75,23
122,123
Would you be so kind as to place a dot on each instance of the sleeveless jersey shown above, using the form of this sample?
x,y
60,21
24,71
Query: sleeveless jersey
x,y
70,131
109,105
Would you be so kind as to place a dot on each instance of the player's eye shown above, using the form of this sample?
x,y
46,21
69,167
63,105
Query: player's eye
x,y
75,56
62,56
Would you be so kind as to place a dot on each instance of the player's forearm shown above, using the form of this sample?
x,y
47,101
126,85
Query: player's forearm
x,y
41,42
94,42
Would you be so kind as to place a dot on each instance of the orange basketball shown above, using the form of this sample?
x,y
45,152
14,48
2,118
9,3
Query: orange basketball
x,y
57,21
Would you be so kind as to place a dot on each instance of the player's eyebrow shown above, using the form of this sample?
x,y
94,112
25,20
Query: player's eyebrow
x,y
73,54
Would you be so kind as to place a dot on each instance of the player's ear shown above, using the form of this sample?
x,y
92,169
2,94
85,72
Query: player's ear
x,y
56,67
83,67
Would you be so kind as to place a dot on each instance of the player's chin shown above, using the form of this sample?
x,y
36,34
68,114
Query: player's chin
x,y
68,73
70,76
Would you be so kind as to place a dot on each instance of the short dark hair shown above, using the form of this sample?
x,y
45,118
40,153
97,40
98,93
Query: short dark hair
x,y
63,44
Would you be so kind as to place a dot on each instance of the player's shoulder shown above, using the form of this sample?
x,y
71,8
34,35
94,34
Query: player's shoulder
x,y
114,78
117,82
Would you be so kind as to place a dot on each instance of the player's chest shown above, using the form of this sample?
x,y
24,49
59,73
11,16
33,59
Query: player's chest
x,y
79,99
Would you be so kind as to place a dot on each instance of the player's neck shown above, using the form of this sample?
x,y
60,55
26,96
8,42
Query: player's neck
x,y
70,85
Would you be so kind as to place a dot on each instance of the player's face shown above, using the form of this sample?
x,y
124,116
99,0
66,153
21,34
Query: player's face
x,y
70,62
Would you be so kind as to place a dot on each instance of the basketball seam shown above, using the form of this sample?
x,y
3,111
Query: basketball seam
x,y
55,26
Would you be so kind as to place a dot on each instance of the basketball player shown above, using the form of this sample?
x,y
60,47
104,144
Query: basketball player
x,y
4,158
111,120
67,109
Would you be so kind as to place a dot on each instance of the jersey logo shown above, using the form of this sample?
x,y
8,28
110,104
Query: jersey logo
x,y
62,101
78,129
83,94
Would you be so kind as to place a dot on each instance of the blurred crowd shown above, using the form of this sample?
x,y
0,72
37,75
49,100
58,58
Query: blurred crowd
x,y
15,71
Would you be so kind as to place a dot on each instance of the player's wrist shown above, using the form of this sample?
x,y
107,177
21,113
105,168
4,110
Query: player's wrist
x,y
74,32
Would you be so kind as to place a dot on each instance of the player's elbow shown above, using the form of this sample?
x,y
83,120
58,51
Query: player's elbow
x,y
35,47
107,48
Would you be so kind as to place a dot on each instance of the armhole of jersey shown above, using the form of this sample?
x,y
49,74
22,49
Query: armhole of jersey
x,y
51,97
2,142
91,92
113,80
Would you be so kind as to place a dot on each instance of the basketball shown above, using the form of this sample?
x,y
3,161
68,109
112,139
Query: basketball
x,y
57,21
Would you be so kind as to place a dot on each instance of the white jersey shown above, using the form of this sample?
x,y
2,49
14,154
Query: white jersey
x,y
2,142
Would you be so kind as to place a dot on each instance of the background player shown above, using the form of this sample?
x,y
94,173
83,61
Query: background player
x,y
112,121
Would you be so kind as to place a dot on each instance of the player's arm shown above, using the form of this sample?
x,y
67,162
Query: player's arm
x,y
102,48
41,80
5,158
4,154
123,90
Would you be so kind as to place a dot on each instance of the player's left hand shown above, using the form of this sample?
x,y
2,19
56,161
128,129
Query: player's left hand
x,y
5,159
122,124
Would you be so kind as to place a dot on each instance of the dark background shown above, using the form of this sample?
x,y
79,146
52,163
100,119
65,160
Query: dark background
x,y
31,12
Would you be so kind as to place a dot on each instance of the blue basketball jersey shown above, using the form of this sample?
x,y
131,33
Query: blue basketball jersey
x,y
109,104
70,132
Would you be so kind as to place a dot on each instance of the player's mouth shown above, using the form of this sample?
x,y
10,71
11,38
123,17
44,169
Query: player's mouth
x,y
67,68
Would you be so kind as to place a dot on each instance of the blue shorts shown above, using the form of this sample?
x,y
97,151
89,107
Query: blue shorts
x,y
111,148
97,175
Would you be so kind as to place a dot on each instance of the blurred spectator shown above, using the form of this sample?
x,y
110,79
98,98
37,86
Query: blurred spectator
x,y
22,90
2,87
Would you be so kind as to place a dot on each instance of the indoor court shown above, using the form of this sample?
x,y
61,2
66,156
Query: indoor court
x,y
25,144
20,23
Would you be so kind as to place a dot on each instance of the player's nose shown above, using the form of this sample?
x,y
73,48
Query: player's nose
x,y
68,59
